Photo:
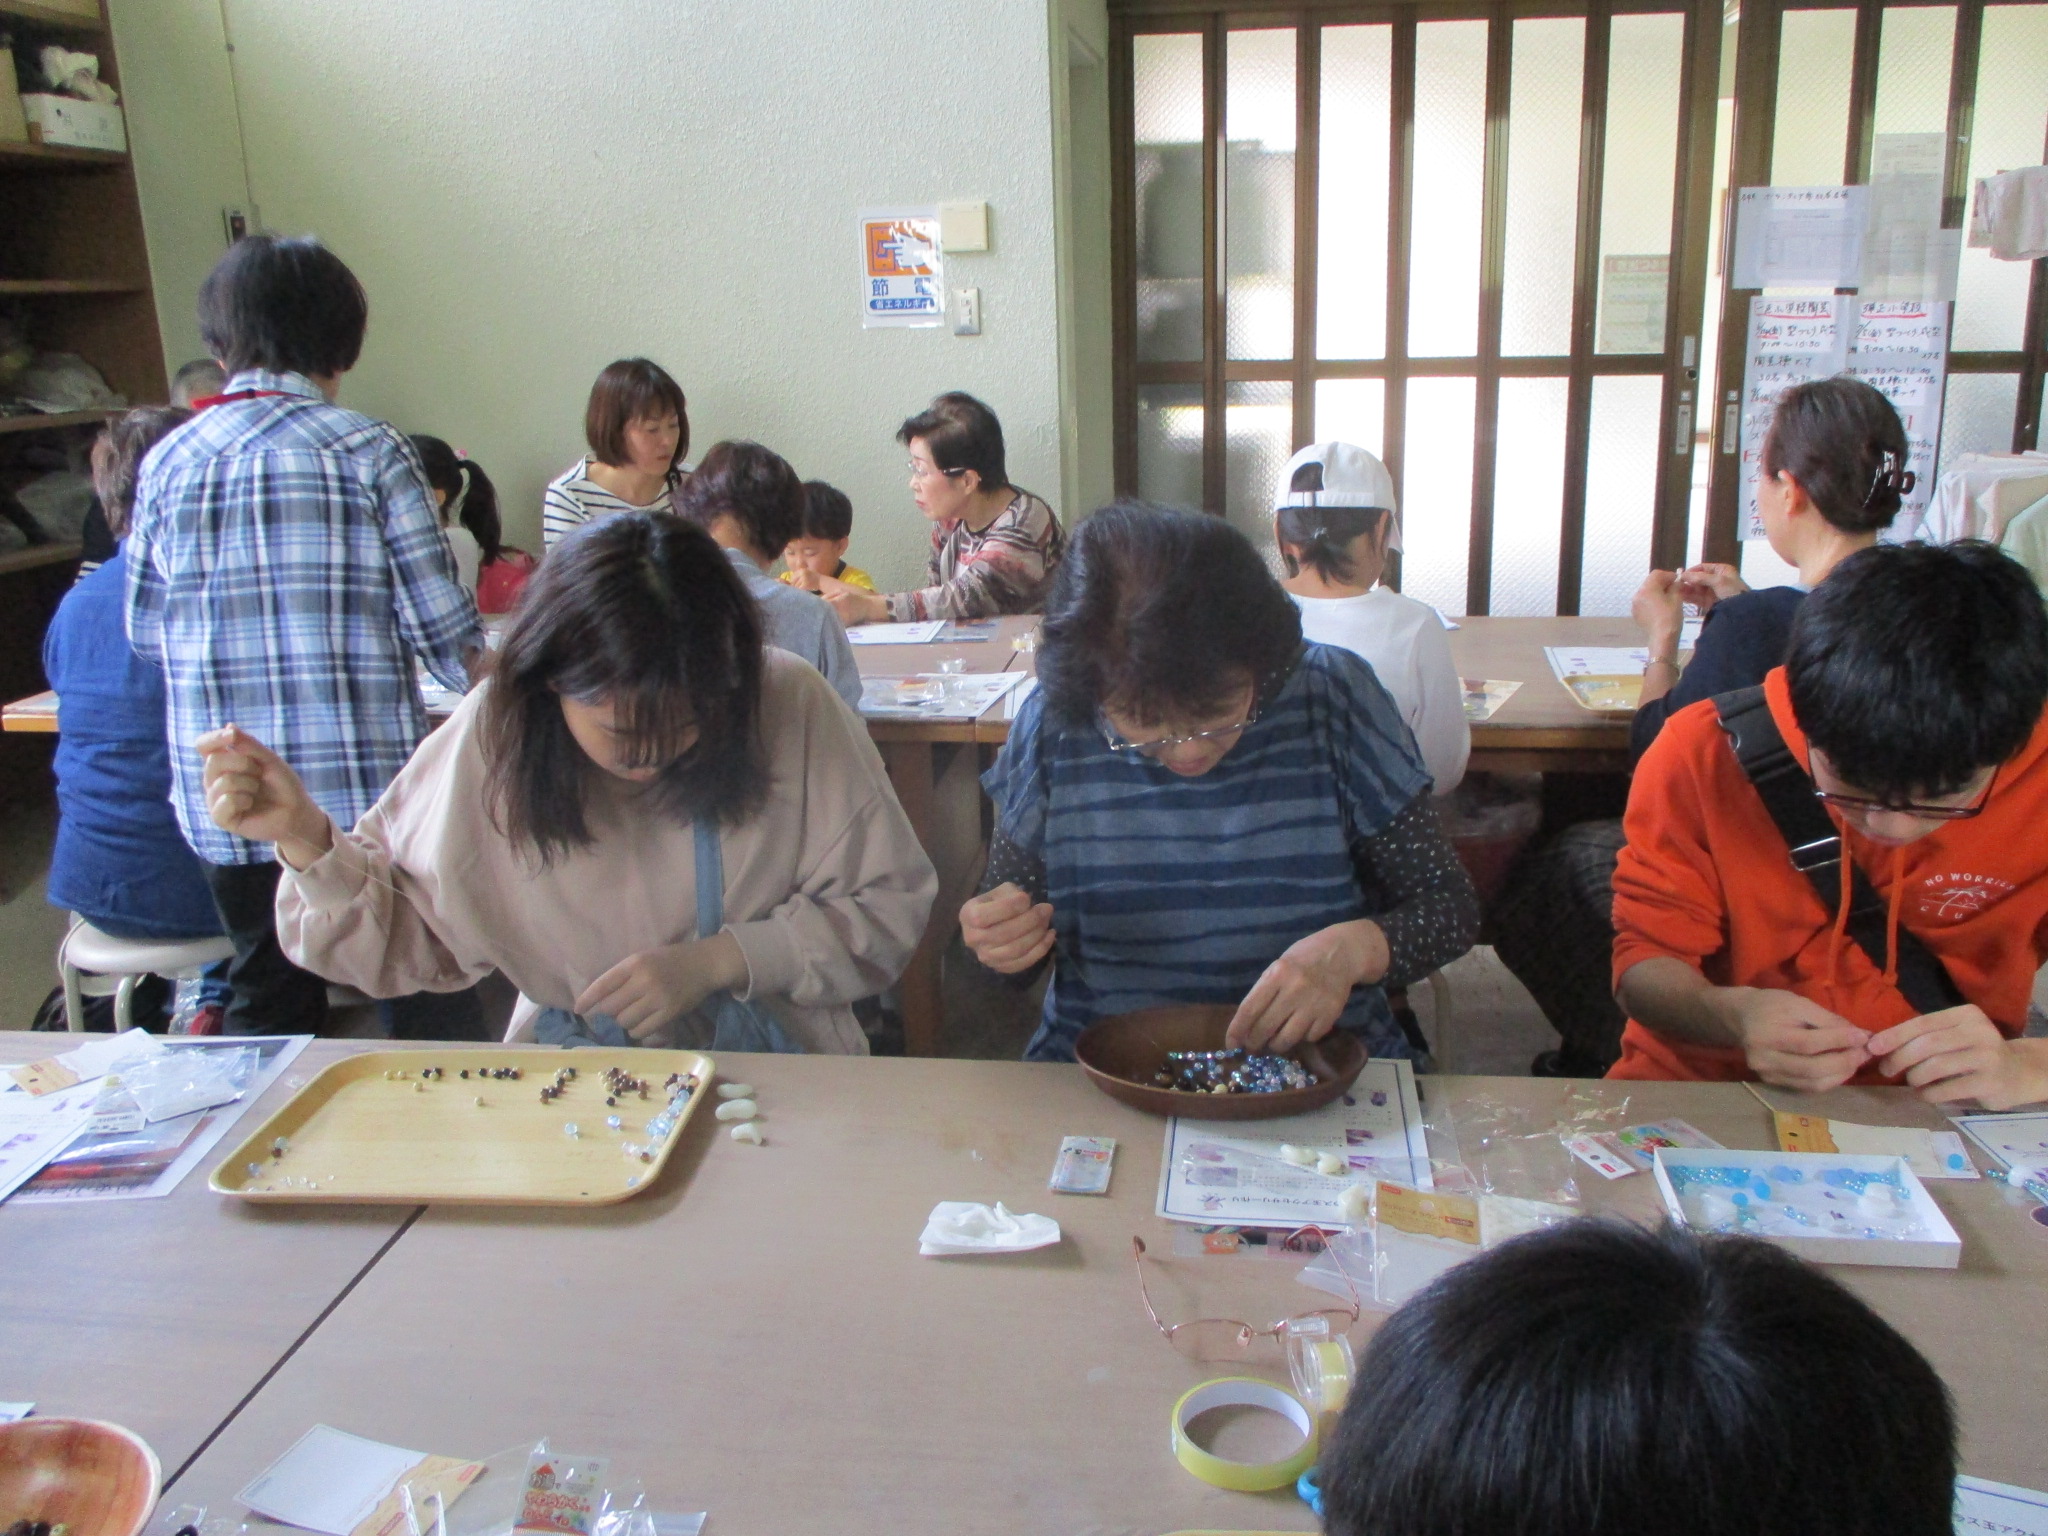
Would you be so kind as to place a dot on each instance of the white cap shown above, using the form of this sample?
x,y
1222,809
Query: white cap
x,y
1351,478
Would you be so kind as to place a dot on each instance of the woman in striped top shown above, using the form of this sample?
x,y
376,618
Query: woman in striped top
x,y
994,547
1195,807
638,429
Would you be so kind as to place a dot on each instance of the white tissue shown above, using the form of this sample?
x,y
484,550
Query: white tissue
x,y
960,1226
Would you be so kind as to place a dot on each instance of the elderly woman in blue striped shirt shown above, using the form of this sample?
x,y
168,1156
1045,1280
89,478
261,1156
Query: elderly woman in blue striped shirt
x,y
1196,807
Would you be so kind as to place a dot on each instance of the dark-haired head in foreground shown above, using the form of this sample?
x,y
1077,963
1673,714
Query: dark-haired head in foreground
x,y
1600,1380
1161,616
635,652
1915,670
288,306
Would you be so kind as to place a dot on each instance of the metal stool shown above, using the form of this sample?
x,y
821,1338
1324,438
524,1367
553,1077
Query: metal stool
x,y
96,964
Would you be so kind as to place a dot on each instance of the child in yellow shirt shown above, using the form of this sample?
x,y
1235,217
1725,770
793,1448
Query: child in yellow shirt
x,y
820,550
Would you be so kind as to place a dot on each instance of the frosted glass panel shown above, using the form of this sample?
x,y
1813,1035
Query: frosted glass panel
x,y
1258,194
1170,444
1977,413
1436,494
1450,148
1166,80
1637,181
1351,202
1913,56
1258,419
1544,101
1352,411
1621,491
1816,51
1528,495
2012,109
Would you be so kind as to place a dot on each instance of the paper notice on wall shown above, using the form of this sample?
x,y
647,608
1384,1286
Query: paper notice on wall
x,y
1901,351
1790,342
1632,294
902,277
1907,255
1799,237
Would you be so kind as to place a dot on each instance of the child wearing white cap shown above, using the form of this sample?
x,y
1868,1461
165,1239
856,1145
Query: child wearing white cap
x,y
1335,521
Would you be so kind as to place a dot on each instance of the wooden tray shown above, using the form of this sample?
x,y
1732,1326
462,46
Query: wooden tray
x,y
355,1135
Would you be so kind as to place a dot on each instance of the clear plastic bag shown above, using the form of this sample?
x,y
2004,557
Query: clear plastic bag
x,y
181,1081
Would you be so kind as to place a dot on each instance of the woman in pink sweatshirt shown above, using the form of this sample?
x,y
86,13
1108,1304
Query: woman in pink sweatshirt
x,y
549,829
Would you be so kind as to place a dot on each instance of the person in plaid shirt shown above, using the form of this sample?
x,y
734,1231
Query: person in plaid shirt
x,y
286,567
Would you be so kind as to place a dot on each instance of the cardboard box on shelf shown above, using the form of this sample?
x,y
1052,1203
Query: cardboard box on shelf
x,y
75,124
13,125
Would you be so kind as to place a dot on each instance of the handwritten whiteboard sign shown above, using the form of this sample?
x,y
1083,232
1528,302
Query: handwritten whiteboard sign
x,y
901,275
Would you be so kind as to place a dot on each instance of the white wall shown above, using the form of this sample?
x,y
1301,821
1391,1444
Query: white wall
x,y
530,189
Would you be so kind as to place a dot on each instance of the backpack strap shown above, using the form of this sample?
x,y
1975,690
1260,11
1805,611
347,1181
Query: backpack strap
x,y
1787,792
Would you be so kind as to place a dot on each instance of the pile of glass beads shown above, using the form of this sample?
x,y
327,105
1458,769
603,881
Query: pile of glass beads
x,y
1231,1071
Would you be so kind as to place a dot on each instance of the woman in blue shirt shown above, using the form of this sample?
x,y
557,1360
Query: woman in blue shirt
x,y
1196,807
119,861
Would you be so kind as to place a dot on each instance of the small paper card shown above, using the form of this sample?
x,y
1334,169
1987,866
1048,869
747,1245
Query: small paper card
x,y
1930,1154
10,1412
1633,1148
1083,1166
561,1496
1426,1213
331,1481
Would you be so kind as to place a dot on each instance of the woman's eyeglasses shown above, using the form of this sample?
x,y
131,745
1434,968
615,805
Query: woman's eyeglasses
x,y
926,471
1167,743
1226,1338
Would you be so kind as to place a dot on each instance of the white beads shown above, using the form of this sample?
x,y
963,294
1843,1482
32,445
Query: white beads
x,y
737,1109
735,1090
748,1131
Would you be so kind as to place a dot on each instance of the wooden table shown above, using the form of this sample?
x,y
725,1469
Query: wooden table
x,y
935,765
757,1336
163,1314
1542,728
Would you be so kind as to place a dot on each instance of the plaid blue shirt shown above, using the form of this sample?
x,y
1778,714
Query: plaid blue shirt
x,y
285,566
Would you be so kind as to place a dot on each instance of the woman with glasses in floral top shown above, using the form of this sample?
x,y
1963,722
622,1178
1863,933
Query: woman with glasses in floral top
x,y
1196,807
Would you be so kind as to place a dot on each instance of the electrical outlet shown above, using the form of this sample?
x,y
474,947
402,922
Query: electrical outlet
x,y
966,311
234,223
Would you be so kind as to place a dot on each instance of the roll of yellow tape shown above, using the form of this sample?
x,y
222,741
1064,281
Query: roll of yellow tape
x,y
1243,1476
1322,1371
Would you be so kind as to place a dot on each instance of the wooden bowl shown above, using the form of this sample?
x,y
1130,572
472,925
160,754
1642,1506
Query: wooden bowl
x,y
96,1478
1121,1055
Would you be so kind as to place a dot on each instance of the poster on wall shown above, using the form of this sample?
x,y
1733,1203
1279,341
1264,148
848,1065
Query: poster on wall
x,y
1632,294
1899,349
1799,237
901,279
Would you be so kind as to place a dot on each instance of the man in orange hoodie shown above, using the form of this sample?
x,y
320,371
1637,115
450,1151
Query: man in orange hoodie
x,y
1912,695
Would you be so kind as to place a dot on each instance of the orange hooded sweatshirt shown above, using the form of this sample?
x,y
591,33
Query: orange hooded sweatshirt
x,y
1706,879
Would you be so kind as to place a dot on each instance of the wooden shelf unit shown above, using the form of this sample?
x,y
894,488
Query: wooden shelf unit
x,y
74,274
52,17
12,425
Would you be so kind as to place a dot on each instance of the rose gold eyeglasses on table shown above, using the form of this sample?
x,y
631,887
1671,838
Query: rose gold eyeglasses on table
x,y
1226,1338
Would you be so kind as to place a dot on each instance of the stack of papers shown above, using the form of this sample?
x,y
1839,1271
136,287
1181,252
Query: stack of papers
x,y
921,633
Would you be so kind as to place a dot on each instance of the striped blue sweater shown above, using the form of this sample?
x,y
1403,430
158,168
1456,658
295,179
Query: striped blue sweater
x,y
1183,890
